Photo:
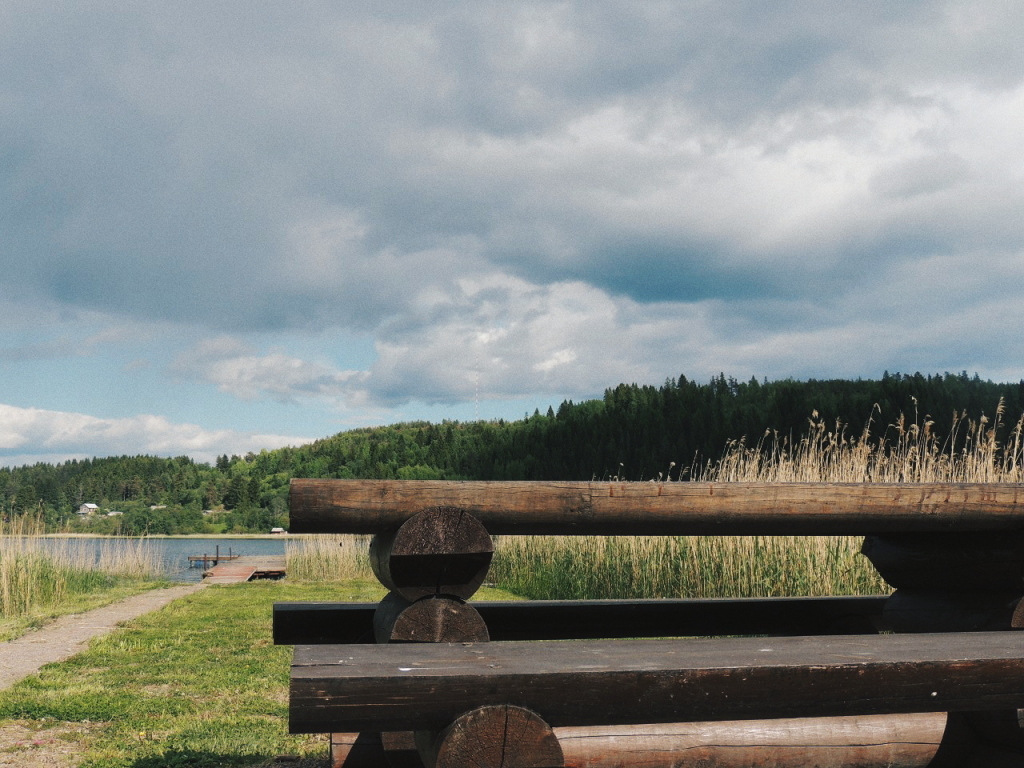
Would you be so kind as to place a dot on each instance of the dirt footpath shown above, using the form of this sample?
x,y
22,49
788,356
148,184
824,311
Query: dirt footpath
x,y
69,635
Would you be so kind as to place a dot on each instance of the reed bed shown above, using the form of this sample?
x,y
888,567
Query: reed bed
x,y
592,567
903,452
766,566
333,557
39,573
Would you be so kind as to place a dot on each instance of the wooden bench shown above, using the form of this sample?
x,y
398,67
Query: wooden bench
x,y
955,552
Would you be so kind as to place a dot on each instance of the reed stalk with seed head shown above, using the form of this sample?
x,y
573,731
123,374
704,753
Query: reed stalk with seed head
x,y
37,573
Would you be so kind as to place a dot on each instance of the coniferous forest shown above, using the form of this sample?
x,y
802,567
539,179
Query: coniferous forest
x,y
633,432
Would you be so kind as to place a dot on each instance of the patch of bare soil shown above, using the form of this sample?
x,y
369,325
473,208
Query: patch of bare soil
x,y
26,744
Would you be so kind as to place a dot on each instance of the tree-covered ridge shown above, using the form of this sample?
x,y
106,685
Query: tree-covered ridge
x,y
633,431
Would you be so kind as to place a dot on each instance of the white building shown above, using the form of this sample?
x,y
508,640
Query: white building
x,y
88,509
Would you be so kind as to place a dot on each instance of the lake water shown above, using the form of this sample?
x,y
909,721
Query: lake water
x,y
174,553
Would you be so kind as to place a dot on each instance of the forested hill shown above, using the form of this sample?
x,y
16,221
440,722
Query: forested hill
x,y
634,432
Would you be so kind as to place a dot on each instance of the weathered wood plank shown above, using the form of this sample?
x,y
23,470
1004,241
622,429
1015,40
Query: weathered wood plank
x,y
607,508
327,623
414,687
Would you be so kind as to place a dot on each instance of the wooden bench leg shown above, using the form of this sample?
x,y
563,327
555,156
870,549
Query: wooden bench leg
x,y
497,736
356,750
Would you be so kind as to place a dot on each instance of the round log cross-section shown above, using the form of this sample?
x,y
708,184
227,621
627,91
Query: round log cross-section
x,y
495,736
437,619
439,551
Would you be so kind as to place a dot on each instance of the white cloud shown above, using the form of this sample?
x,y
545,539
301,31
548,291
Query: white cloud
x,y
238,370
32,434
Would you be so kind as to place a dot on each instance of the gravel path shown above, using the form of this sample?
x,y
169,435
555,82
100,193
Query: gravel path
x,y
69,635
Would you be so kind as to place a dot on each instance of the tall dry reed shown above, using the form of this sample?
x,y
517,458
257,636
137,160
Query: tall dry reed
x,y
762,566
902,452
332,557
37,572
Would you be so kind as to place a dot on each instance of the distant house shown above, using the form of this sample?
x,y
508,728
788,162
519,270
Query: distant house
x,y
88,509
114,513
278,530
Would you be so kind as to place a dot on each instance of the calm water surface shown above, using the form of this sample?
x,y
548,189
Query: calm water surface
x,y
174,553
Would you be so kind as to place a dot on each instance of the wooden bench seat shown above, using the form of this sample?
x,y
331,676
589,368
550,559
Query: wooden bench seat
x,y
308,623
345,688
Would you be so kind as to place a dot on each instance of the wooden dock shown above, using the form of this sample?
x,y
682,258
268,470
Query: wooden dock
x,y
206,560
246,569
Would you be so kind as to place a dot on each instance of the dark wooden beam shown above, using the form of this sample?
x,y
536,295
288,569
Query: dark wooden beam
x,y
607,508
989,560
343,688
326,623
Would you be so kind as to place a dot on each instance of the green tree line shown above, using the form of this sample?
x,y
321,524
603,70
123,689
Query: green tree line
x,y
633,431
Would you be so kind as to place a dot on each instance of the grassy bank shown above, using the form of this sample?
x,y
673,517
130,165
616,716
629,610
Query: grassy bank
x,y
196,684
41,579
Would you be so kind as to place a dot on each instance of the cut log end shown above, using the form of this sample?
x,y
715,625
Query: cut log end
x,y
498,736
429,620
439,551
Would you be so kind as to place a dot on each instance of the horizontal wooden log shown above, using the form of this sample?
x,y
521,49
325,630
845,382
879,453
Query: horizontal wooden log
x,y
871,741
330,623
681,508
936,610
992,561
415,687
437,551
430,620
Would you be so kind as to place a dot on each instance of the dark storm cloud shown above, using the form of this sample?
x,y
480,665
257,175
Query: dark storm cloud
x,y
462,180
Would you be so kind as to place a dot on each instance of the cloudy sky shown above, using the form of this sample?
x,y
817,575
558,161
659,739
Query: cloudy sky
x,y
237,225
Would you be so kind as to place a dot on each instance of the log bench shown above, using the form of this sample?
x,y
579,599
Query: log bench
x,y
955,553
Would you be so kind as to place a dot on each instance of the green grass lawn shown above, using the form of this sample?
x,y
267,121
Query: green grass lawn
x,y
198,683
